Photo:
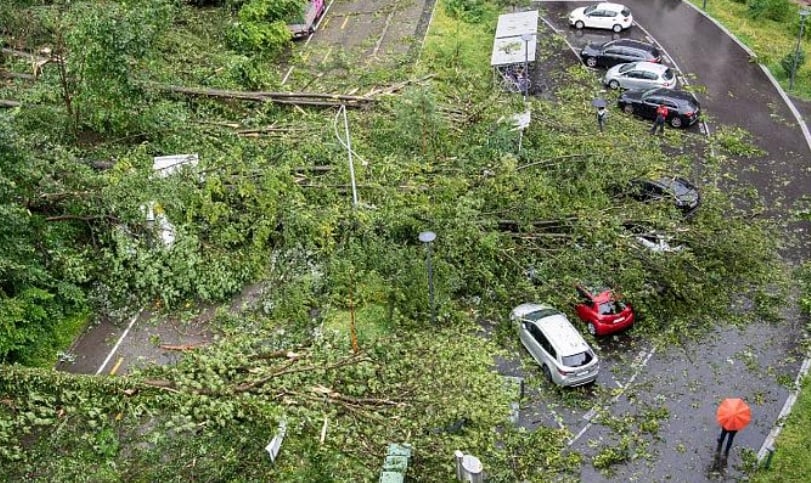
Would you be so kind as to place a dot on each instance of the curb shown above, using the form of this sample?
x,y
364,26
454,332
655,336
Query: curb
x,y
752,55
768,445
792,398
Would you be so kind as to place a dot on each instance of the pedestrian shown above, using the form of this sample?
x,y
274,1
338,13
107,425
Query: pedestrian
x,y
733,415
724,434
601,115
661,116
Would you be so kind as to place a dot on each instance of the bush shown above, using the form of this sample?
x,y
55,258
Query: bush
x,y
787,63
777,10
469,11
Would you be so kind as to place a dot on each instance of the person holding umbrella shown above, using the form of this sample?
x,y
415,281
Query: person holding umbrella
x,y
601,112
733,415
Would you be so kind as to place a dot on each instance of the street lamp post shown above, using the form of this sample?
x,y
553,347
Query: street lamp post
x,y
526,38
427,237
804,13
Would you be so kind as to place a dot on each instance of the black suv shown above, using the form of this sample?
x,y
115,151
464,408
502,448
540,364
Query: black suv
x,y
619,52
682,193
683,107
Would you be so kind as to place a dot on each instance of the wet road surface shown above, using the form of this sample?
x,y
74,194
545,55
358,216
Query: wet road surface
x,y
753,363
732,90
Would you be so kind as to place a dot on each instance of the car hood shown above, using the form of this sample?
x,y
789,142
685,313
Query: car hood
x,y
685,192
577,12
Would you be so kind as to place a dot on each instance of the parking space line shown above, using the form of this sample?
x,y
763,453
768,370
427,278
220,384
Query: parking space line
x,y
116,366
639,367
329,51
383,34
117,344
346,19
326,22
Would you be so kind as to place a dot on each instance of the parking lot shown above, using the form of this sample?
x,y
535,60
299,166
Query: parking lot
x,y
356,32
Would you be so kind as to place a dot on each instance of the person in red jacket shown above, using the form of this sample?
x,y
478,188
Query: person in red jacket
x,y
661,116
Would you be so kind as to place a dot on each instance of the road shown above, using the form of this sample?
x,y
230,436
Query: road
x,y
753,362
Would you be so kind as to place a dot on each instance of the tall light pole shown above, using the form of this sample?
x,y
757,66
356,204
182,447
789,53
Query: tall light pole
x,y
803,14
427,237
347,143
526,38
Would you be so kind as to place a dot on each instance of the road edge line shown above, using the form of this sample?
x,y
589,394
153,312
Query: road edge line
x,y
787,406
118,343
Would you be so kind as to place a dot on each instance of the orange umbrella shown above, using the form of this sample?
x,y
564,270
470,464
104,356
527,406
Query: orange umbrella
x,y
733,414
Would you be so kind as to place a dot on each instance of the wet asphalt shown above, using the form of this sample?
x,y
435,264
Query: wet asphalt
x,y
754,362
687,381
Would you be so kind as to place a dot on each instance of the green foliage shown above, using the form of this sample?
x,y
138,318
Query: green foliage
x,y
262,25
792,60
125,425
105,49
777,10
470,11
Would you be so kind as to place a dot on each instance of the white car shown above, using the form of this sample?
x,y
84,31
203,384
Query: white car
x,y
564,356
612,16
640,76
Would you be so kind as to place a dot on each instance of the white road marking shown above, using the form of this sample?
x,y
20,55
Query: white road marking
x,y
117,344
589,415
310,38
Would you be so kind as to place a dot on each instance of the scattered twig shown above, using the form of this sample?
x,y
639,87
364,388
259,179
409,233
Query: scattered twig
x,y
9,103
549,161
182,347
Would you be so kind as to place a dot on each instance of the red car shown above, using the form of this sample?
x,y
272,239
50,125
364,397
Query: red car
x,y
602,312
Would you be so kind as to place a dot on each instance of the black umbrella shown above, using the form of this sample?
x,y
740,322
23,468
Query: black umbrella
x,y
598,103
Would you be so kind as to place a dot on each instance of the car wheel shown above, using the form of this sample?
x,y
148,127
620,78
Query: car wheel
x,y
591,62
614,84
547,374
591,328
629,109
579,24
617,28
676,121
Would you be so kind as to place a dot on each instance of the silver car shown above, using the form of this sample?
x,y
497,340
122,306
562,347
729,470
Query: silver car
x,y
564,356
640,75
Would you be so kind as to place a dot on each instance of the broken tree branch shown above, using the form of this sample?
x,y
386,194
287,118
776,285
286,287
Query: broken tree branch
x,y
244,387
9,103
182,347
5,74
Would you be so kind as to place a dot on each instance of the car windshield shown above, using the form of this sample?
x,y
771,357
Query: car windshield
x,y
626,12
577,360
626,67
590,9
677,187
668,74
540,314
610,308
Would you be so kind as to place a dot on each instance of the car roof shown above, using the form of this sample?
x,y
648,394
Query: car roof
x,y
631,43
651,66
612,6
676,94
560,332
